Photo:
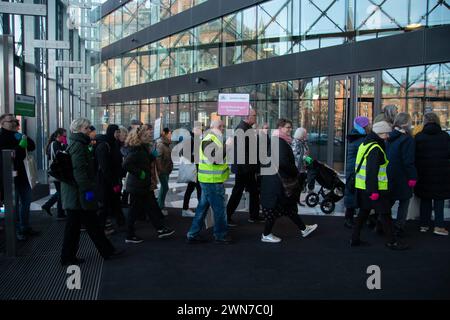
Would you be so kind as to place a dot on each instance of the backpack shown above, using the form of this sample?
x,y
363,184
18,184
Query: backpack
x,y
61,168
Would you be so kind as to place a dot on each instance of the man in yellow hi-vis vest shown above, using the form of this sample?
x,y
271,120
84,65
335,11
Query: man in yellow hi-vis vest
x,y
372,185
213,171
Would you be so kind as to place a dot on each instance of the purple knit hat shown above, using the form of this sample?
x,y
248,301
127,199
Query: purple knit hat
x,y
361,121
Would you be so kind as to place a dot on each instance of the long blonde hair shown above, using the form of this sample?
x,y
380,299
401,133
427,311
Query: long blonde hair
x,y
134,137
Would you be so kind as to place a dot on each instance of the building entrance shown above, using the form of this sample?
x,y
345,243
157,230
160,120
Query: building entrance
x,y
349,96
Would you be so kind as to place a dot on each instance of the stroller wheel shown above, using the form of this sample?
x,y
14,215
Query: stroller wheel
x,y
312,199
327,206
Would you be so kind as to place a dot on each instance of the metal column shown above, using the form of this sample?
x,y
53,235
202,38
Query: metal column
x,y
6,74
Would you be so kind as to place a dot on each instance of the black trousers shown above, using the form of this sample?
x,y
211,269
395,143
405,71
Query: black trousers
x,y
56,198
187,195
72,234
272,215
147,204
382,210
244,181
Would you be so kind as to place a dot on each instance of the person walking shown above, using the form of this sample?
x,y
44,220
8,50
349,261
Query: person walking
x,y
301,155
401,171
56,143
245,178
372,188
361,127
109,176
281,190
11,139
164,165
433,170
79,199
213,171
192,185
141,183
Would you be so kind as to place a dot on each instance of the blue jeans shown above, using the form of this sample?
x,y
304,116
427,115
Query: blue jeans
x,y
426,207
23,202
212,194
164,179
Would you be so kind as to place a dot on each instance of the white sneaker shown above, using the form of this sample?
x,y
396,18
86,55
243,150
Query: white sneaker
x,y
165,212
308,230
270,238
188,213
440,231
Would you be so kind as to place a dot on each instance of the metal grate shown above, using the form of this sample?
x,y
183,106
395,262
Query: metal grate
x,y
39,275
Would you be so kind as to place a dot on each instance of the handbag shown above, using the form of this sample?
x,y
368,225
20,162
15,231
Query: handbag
x,y
187,172
351,181
31,170
291,186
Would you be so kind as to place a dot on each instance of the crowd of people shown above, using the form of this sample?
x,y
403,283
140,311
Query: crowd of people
x,y
386,163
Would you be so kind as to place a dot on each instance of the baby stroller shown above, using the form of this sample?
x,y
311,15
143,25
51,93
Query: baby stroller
x,y
328,179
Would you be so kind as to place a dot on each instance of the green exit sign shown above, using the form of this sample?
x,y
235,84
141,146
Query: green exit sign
x,y
25,106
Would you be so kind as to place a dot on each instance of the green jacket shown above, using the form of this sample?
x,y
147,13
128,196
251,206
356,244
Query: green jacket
x,y
73,196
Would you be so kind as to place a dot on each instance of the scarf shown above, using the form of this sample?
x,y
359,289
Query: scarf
x,y
278,133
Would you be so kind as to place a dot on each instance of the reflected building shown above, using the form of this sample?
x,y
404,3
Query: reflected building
x,y
319,63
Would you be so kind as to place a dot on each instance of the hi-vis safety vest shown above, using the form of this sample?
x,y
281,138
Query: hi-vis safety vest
x,y
209,172
360,179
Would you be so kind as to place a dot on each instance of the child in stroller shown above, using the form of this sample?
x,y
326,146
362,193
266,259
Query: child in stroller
x,y
328,179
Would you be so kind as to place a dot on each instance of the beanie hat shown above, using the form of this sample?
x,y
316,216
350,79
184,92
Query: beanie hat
x,y
382,127
360,123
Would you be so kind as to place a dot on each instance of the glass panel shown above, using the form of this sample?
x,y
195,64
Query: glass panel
x,y
163,58
116,26
275,28
438,92
239,37
181,53
129,17
206,45
439,12
144,61
178,6
130,112
130,69
366,97
144,14
104,31
341,104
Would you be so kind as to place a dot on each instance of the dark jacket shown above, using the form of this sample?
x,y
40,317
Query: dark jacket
x,y
139,159
433,163
10,140
354,139
400,151
73,196
53,149
108,162
375,159
246,168
272,192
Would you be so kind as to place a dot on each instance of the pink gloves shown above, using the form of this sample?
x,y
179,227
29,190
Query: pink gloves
x,y
412,183
374,196
117,188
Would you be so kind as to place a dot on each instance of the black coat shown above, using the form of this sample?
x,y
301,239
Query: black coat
x,y
354,139
272,191
400,151
138,159
433,163
375,159
8,140
247,168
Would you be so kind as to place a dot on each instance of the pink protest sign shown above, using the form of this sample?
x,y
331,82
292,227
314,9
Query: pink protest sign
x,y
234,104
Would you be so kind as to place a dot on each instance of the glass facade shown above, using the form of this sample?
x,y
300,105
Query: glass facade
x,y
306,101
137,15
273,28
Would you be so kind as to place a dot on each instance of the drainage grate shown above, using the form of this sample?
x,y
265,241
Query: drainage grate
x,y
38,275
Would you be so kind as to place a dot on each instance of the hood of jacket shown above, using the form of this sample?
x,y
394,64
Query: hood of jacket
x,y
110,132
354,135
102,138
394,135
